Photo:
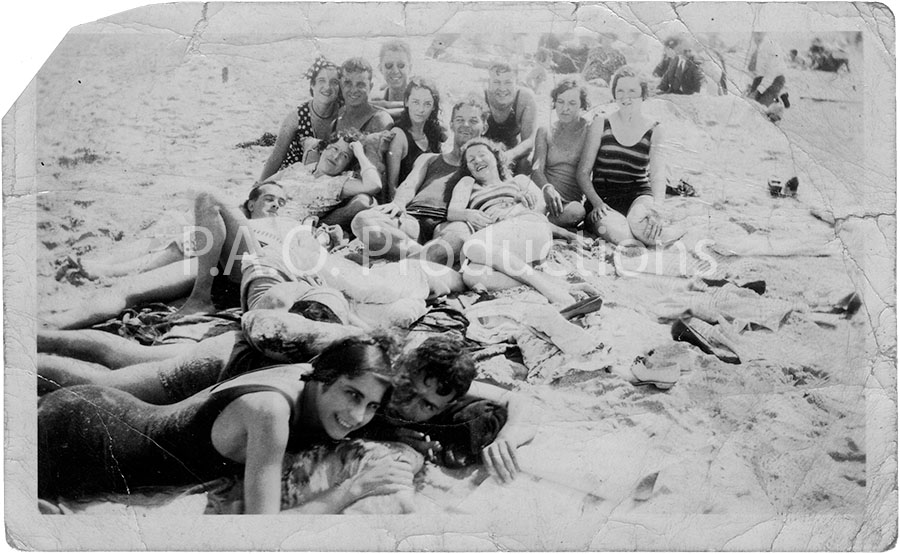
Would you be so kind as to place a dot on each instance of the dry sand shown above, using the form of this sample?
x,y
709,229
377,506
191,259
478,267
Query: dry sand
x,y
773,453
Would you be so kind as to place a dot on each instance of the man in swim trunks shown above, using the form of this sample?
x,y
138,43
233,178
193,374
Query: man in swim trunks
x,y
415,223
512,117
439,410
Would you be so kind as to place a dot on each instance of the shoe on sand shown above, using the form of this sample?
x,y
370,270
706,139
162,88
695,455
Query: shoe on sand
x,y
706,337
583,307
662,375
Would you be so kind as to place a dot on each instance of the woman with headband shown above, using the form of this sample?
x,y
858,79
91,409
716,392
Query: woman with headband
x,y
302,129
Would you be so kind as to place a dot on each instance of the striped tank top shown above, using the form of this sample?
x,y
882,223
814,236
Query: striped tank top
x,y
498,202
622,172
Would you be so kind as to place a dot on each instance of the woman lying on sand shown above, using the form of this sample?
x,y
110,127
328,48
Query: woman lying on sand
x,y
96,439
556,155
309,123
621,170
417,132
509,234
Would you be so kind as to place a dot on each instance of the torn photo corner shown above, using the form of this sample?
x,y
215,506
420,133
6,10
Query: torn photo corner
x,y
320,259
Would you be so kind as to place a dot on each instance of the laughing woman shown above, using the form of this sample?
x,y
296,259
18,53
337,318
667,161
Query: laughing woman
x,y
418,131
312,121
622,170
510,230
95,439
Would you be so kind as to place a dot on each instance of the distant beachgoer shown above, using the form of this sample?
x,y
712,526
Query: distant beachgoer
x,y
304,127
95,439
512,117
683,74
357,112
767,66
557,152
669,54
418,131
621,170
395,65
509,229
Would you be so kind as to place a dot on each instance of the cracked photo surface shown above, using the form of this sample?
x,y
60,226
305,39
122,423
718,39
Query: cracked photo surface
x,y
455,277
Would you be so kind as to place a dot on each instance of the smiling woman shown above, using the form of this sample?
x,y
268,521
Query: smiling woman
x,y
96,439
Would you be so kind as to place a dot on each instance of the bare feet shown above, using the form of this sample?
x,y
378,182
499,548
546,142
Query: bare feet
x,y
193,307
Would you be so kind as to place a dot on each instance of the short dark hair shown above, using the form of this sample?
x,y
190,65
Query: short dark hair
x,y
354,356
256,192
444,358
473,100
566,85
356,65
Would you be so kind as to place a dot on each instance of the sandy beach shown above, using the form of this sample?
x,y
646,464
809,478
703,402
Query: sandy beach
x,y
792,449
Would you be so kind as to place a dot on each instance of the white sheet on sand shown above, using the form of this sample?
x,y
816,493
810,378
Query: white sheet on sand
x,y
505,319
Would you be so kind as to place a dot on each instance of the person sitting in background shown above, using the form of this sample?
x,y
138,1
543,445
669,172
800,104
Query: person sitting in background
x,y
768,69
512,116
395,65
683,74
669,54
439,410
304,127
556,155
417,132
357,113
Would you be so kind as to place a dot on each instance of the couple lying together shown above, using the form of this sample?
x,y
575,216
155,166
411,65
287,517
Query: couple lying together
x,y
171,428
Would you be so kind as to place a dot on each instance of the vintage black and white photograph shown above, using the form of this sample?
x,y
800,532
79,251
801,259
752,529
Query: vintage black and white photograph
x,y
458,276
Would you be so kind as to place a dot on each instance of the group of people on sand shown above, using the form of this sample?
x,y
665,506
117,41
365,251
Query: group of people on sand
x,y
313,362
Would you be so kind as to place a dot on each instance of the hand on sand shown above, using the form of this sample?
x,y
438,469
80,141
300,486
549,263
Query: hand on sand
x,y
420,442
379,477
553,200
499,459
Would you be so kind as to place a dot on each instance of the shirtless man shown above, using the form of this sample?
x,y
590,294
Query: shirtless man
x,y
512,117
439,410
357,113
415,223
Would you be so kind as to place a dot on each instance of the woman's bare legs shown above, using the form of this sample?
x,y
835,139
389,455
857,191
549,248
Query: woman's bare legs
x,y
510,247
103,348
159,285
226,237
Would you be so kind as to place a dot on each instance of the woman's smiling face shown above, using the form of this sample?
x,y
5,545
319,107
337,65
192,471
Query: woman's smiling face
x,y
327,86
348,404
335,158
481,163
628,91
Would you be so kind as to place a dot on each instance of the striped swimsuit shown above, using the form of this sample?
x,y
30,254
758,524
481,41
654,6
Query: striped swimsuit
x,y
621,173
